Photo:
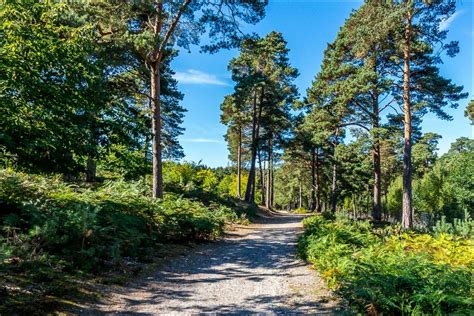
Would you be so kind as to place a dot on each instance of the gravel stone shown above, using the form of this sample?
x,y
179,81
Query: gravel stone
x,y
253,270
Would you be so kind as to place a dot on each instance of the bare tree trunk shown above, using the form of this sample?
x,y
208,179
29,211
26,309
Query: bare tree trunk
x,y
272,184
68,174
91,170
377,203
313,180
334,175
250,190
354,211
261,184
156,130
145,148
333,188
249,197
318,182
268,201
300,196
239,165
407,210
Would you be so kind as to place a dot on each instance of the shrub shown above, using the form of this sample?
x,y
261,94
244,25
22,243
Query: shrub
x,y
302,210
89,226
390,271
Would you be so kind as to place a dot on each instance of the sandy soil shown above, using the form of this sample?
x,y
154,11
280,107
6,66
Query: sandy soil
x,y
252,270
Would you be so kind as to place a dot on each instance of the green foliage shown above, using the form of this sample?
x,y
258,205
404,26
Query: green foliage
x,y
446,189
337,241
461,227
384,271
121,162
46,82
206,179
228,185
301,210
90,226
188,177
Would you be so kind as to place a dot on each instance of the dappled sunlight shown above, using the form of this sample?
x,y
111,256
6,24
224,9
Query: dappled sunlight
x,y
254,269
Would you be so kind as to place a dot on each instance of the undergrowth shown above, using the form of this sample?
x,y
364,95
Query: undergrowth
x,y
389,271
52,230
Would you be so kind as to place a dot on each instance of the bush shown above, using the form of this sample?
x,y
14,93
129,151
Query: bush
x,y
302,210
445,190
91,226
389,271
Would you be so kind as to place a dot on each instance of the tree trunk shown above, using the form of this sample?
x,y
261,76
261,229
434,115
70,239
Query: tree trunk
x,y
68,174
91,169
145,148
156,130
239,165
354,212
334,175
300,195
407,210
272,185
250,190
262,187
318,182
313,180
268,201
333,188
377,204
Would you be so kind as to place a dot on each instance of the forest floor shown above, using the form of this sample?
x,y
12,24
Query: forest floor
x,y
252,270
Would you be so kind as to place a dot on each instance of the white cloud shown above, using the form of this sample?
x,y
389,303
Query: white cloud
x,y
446,23
192,76
203,140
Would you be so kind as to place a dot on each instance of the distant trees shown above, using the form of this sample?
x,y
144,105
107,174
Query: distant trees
x,y
260,106
469,113
233,114
385,59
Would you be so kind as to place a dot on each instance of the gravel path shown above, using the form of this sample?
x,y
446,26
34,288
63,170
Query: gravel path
x,y
252,270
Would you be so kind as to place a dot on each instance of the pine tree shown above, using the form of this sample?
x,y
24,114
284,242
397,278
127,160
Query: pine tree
x,y
263,79
419,85
153,27
353,78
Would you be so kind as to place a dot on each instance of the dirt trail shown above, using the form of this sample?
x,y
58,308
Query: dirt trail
x,y
252,270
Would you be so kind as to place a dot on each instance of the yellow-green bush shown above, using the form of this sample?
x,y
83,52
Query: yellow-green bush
x,y
302,210
391,272
441,249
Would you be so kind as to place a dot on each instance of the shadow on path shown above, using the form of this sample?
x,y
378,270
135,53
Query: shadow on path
x,y
253,269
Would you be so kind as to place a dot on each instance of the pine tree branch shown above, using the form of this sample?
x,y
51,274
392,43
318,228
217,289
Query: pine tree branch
x,y
174,24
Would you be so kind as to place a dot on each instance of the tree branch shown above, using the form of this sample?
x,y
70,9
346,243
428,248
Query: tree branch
x,y
159,53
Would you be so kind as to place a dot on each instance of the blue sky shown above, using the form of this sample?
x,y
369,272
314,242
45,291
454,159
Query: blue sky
x,y
307,26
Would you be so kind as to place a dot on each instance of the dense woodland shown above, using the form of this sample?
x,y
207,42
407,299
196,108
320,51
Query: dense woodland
x,y
93,175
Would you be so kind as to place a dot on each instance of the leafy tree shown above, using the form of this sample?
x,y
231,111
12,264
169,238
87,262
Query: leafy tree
x,y
46,80
424,153
469,113
462,144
